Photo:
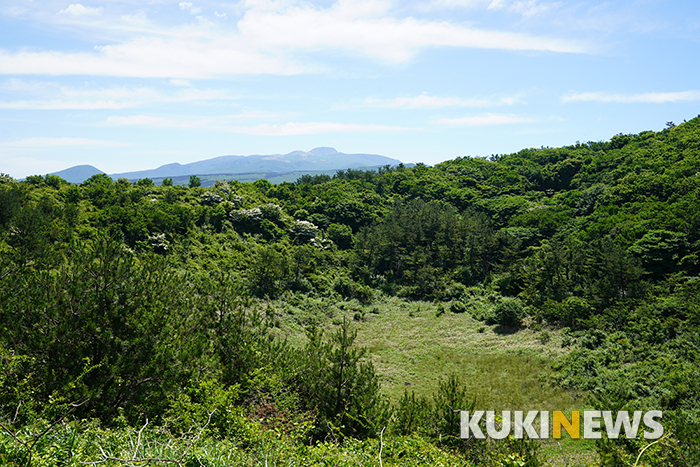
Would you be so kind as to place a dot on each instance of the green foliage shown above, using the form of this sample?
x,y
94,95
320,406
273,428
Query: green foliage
x,y
270,271
418,241
335,381
544,337
458,307
136,299
351,289
413,414
508,312
450,398
83,311
206,402
341,235
661,251
304,231
50,180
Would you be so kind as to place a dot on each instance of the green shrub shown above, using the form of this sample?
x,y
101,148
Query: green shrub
x,y
440,309
341,235
413,414
509,312
544,337
351,289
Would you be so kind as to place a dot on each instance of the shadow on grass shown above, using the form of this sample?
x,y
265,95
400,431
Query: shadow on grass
x,y
502,330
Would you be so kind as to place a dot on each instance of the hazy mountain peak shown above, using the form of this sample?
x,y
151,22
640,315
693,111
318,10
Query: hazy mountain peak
x,y
323,151
78,173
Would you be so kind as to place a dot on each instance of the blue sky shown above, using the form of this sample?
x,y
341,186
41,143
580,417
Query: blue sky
x,y
126,85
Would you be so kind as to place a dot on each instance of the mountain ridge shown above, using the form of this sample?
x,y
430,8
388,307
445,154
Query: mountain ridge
x,y
78,173
317,159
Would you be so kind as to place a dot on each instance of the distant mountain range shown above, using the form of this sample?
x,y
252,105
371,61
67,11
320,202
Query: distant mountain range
x,y
245,168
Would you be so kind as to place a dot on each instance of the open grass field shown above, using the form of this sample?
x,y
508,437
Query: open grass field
x,y
413,348
413,345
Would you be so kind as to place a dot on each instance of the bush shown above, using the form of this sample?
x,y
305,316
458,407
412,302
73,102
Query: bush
x,y
544,337
351,289
272,212
413,414
509,312
337,381
570,312
341,235
304,231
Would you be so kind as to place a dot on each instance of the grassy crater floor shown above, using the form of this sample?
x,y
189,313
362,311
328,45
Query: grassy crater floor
x,y
413,345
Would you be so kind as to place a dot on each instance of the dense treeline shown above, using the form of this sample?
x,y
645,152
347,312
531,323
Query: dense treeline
x,y
128,301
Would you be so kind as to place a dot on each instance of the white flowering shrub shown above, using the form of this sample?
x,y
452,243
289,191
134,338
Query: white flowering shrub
x,y
158,242
251,216
211,199
271,211
305,231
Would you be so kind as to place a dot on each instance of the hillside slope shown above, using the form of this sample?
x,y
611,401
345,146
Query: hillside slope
x,y
594,246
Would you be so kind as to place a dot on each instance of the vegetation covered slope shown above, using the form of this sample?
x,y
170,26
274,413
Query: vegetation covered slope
x,y
121,302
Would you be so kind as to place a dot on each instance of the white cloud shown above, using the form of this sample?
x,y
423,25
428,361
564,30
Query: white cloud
x,y
531,7
526,8
52,96
270,38
426,101
62,105
641,98
227,124
313,128
15,11
76,9
217,123
44,142
485,119
134,21
445,4
150,120
368,30
180,82
440,4
150,58
187,6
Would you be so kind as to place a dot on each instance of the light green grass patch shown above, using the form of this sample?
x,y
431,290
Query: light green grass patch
x,y
413,346
504,369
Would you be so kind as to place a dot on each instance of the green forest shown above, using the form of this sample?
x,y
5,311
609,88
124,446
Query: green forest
x,y
281,324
